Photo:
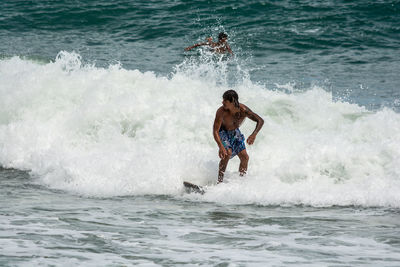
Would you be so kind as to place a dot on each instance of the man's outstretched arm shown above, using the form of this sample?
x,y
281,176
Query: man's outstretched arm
x,y
209,40
196,45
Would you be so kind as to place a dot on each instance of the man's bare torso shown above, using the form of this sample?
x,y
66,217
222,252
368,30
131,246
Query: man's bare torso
x,y
220,48
232,121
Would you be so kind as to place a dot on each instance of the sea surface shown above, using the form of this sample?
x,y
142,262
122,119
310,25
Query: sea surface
x,y
103,115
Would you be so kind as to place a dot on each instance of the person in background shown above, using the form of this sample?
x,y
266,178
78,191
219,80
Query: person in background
x,y
220,47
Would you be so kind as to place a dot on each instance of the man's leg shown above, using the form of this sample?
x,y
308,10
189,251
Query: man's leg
x,y
222,166
244,160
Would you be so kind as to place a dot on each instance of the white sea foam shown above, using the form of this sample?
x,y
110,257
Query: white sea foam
x,y
108,132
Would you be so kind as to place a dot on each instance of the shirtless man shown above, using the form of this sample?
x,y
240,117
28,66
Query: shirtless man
x,y
227,134
220,47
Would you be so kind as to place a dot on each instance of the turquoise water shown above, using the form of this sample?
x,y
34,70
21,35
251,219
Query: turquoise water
x,y
103,115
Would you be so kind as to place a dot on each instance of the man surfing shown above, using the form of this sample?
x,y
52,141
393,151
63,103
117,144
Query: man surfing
x,y
226,132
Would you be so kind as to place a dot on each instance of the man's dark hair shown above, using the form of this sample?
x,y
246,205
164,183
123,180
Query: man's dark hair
x,y
222,35
232,97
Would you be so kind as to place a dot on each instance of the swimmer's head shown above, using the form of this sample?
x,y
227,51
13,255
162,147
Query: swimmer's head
x,y
222,35
232,97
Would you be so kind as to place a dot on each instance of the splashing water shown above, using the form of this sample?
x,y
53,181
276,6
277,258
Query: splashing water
x,y
112,132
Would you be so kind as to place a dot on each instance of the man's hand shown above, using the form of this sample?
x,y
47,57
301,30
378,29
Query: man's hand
x,y
222,153
251,139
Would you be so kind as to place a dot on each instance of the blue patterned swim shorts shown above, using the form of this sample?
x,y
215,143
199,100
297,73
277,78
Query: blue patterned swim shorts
x,y
232,140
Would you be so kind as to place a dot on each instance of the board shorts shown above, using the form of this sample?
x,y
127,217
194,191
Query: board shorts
x,y
232,140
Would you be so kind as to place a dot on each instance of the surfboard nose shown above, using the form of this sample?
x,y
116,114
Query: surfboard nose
x,y
192,188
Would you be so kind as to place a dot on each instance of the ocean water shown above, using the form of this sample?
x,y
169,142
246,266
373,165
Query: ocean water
x,y
103,115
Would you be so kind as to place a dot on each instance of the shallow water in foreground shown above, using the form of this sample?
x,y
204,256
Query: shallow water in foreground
x,y
40,226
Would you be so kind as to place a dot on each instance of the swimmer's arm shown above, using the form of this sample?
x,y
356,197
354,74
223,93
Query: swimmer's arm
x,y
209,40
196,45
260,122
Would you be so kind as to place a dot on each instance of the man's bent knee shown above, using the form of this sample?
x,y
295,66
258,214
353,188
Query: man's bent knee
x,y
227,157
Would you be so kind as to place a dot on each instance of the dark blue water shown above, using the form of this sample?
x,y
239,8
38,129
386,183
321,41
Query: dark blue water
x,y
349,47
